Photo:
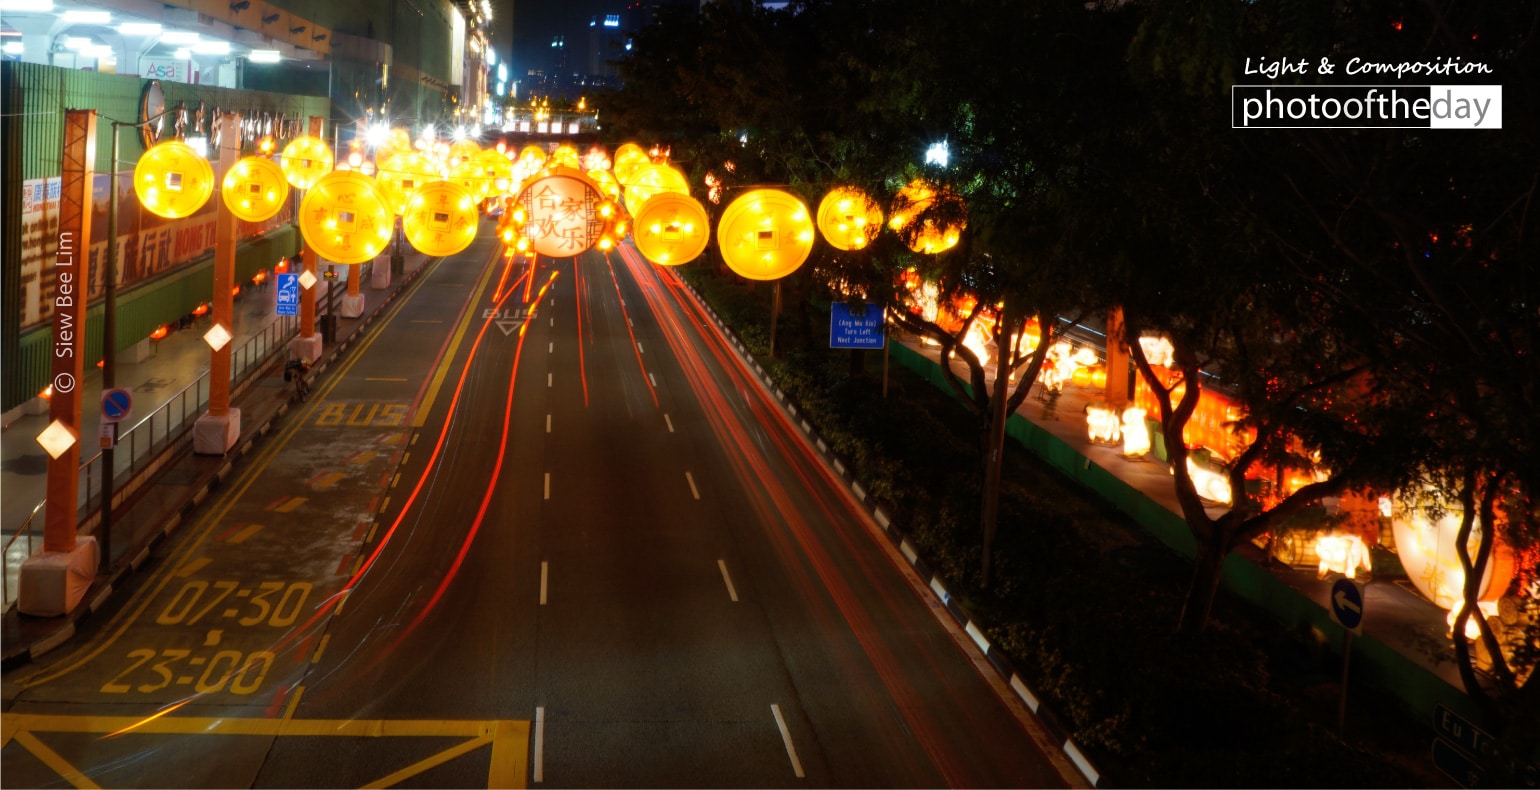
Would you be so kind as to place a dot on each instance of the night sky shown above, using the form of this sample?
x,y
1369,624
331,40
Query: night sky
x,y
532,23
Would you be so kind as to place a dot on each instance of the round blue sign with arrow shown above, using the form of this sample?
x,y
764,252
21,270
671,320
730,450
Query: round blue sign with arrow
x,y
116,404
1347,605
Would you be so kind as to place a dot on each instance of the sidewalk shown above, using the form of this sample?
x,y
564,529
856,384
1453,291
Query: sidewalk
x,y
1400,618
159,506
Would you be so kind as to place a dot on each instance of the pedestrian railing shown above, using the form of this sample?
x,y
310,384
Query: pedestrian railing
x,y
142,445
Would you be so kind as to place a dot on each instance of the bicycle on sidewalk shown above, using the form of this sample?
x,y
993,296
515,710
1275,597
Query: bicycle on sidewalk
x,y
296,370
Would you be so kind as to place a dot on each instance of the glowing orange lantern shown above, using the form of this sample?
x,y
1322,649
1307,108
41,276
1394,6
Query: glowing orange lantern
x,y
560,213
305,159
345,218
765,234
498,170
255,188
440,218
470,175
607,183
533,155
628,157
463,151
672,229
849,218
650,179
159,333
172,180
566,156
914,199
401,174
201,309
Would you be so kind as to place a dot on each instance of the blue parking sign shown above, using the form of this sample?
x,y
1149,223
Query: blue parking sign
x,y
288,294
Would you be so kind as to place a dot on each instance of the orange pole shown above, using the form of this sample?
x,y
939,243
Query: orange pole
x,y
71,271
223,303
308,258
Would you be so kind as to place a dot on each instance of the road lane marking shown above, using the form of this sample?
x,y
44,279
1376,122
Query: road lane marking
x,y
288,712
652,379
639,347
544,573
550,379
547,485
731,592
547,423
693,489
553,320
192,567
395,481
368,378
291,505
241,536
670,423
540,744
791,751
447,360
552,348
51,758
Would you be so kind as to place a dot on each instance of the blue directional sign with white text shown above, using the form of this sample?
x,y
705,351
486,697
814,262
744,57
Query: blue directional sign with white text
x,y
851,329
116,404
288,294
1347,605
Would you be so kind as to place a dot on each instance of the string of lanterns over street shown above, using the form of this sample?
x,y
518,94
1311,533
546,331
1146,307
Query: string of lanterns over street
x,y
558,203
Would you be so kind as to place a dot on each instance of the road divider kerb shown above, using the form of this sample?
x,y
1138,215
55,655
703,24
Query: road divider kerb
x,y
996,657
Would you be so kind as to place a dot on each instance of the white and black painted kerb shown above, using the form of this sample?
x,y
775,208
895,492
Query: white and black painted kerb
x,y
996,656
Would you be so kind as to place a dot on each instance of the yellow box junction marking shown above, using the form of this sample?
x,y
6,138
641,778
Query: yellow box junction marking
x,y
327,480
291,505
192,567
509,739
240,537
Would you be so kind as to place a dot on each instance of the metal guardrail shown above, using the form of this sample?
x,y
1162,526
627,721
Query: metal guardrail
x,y
144,443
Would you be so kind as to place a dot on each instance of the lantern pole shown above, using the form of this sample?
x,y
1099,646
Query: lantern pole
x,y
110,334
50,581
775,313
307,344
219,429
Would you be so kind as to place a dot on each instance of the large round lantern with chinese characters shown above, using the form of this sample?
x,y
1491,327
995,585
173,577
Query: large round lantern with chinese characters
x,y
255,188
172,180
849,218
440,218
607,183
400,175
561,213
932,237
765,234
671,229
345,218
650,179
305,159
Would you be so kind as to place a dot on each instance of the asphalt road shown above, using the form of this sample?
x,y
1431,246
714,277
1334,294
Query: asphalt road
x,y
541,528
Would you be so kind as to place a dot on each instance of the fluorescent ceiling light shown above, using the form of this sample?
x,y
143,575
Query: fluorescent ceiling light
x,y
140,28
102,52
88,17
182,54
26,6
78,43
13,48
264,56
212,47
179,37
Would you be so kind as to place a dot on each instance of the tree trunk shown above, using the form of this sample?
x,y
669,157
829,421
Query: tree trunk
x,y
994,455
1205,585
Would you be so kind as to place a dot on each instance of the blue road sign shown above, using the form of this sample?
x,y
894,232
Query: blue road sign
x,y
116,404
288,293
1456,765
1462,732
849,329
1347,605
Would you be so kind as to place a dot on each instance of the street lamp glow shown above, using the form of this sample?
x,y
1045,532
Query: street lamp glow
x,y
88,17
937,154
26,6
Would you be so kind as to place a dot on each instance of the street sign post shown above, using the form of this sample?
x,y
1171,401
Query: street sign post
x,y
851,329
1346,605
117,403
287,289
1457,766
